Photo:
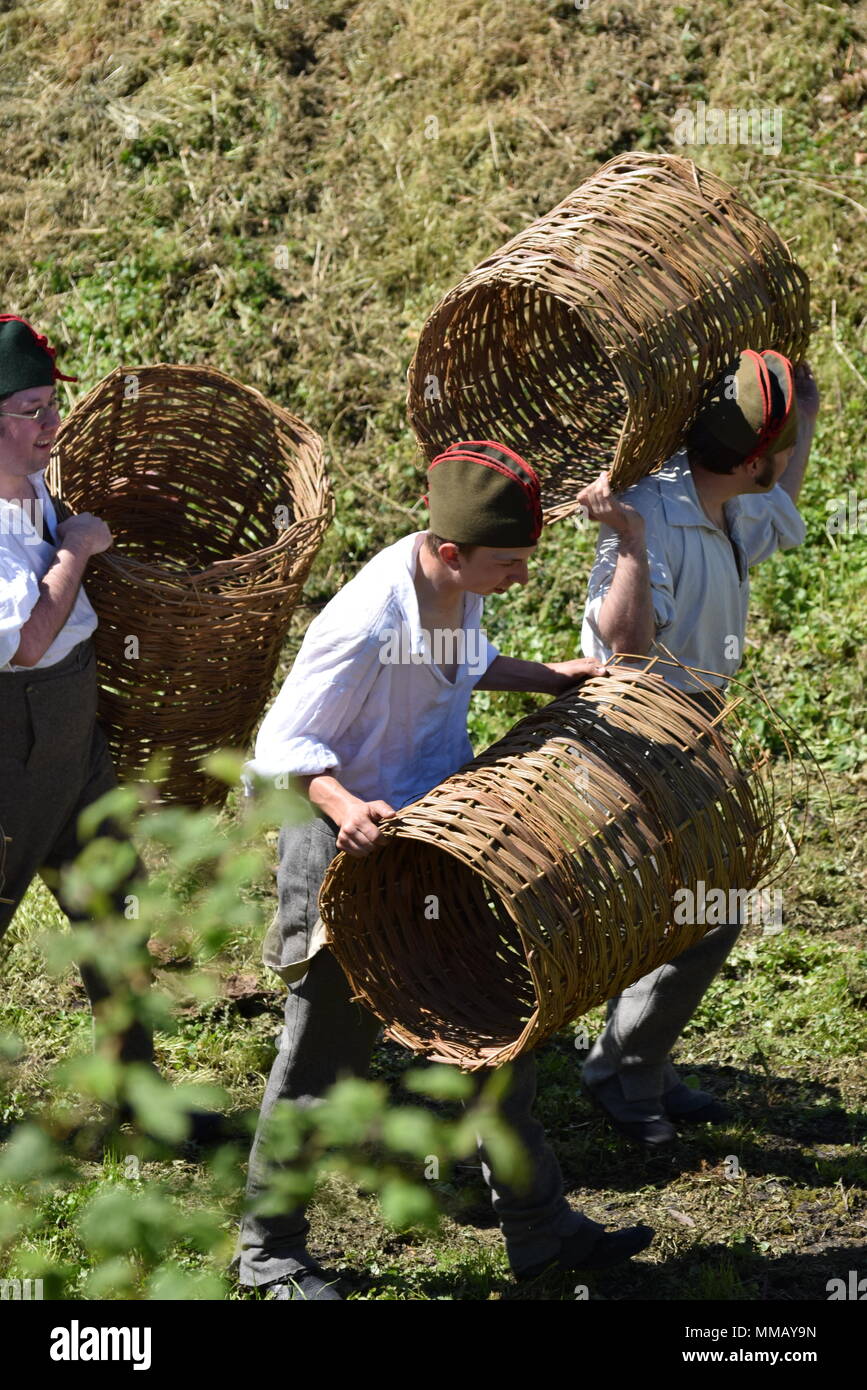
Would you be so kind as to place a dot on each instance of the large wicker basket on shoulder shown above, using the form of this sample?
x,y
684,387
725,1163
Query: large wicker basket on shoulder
x,y
585,341
218,501
551,872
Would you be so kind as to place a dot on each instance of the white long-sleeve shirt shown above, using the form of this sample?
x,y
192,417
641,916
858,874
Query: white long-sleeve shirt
x,y
24,559
357,705
699,577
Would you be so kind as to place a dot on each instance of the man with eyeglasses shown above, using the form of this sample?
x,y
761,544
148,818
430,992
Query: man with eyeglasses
x,y
54,760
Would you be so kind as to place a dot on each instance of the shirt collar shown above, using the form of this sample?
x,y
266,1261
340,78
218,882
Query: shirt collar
x,y
680,500
408,550
407,553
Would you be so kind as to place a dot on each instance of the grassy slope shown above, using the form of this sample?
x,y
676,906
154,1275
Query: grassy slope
x,y
154,164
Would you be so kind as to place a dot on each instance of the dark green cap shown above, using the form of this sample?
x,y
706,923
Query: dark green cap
x,y
749,411
482,493
26,358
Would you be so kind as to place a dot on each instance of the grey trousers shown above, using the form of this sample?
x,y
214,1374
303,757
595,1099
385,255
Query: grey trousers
x,y
645,1021
54,762
327,1036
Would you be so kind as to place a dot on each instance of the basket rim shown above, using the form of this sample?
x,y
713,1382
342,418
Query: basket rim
x,y
141,571
144,369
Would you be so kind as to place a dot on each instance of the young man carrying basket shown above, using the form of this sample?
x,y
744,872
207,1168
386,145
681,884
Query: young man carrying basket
x,y
672,575
365,734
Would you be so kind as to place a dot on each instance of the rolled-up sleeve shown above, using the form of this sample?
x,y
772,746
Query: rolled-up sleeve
x,y
769,522
605,563
332,677
19,594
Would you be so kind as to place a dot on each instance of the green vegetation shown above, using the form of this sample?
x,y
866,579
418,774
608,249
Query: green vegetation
x,y
286,193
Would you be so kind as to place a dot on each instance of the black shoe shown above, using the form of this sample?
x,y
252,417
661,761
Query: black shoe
x,y
654,1133
714,1113
708,1111
651,1134
306,1286
612,1248
207,1129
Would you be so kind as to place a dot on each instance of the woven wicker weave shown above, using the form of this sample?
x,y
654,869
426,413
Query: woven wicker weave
x,y
539,880
585,341
190,470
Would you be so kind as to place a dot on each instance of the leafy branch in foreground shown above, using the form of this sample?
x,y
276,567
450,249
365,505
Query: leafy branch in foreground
x,y
117,1231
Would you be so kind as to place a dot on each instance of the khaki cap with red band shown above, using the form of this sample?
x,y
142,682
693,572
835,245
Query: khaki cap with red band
x,y
749,411
483,493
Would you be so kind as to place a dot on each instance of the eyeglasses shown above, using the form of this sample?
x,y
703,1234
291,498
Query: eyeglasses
x,y
40,414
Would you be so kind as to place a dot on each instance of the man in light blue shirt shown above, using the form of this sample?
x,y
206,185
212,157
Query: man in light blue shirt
x,y
672,574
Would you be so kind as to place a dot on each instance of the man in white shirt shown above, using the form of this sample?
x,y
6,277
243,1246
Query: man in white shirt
x,y
672,574
372,715
54,760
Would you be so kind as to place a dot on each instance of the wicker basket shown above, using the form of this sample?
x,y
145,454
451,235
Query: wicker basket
x,y
218,501
540,879
585,341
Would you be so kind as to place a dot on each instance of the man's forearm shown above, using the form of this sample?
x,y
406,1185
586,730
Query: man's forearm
x,y
359,822
626,621
511,673
57,593
327,794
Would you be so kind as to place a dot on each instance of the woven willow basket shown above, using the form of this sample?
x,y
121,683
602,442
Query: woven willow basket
x,y
218,501
540,879
584,343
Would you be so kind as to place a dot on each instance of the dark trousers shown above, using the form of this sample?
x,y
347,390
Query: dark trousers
x,y
327,1035
54,762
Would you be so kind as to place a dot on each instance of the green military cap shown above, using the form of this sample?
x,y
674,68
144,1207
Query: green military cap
x,y
749,411
483,493
26,357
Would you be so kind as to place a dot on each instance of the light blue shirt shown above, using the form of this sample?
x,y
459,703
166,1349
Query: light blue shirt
x,y
699,576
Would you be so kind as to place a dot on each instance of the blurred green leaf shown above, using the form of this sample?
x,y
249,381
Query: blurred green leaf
x,y
121,805
350,1111
29,1154
405,1204
439,1082
123,1221
409,1130
170,1283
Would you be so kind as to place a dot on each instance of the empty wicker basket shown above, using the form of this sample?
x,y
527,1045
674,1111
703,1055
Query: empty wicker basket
x,y
585,341
218,501
540,879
